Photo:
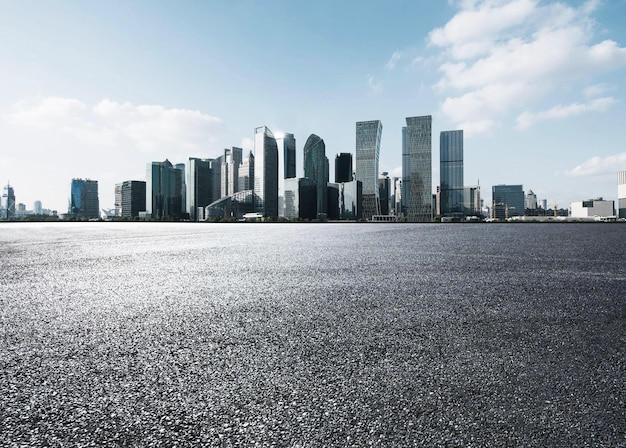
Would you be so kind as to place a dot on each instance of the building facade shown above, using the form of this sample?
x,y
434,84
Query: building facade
x,y
417,169
246,173
368,135
384,190
84,201
592,208
8,203
507,201
286,166
343,167
451,174
301,200
316,169
231,161
133,200
621,194
350,200
164,186
266,172
199,187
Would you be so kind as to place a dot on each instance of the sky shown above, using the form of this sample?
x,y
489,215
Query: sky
x,y
99,89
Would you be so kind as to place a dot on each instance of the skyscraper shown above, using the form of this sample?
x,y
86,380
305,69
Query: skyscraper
x,y
246,173
343,167
84,201
621,194
199,186
384,188
133,198
8,202
266,172
368,134
164,185
451,173
286,144
230,170
417,169
316,169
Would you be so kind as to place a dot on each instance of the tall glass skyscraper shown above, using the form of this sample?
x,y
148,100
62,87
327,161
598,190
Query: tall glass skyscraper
x,y
368,134
246,173
164,186
507,201
286,166
8,203
230,171
84,201
451,173
266,172
199,186
343,167
133,198
417,169
316,169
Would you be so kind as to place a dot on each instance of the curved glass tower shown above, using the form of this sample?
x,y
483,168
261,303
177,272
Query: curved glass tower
x,y
316,169
368,134
265,172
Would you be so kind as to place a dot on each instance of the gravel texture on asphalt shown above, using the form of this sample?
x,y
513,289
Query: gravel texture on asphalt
x,y
296,335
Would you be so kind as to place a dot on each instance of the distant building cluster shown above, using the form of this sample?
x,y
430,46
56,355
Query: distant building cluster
x,y
263,183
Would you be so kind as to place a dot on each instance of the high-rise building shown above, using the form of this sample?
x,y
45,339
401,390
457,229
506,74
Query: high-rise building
x,y
164,185
621,194
84,201
246,173
384,189
396,198
417,169
300,198
183,189
265,172
8,202
286,144
133,198
451,173
343,167
37,208
350,200
199,186
118,200
368,135
471,200
531,200
230,170
316,169
507,201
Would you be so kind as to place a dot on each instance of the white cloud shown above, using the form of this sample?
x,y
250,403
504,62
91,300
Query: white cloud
x,y
374,84
600,165
596,90
502,57
395,57
526,119
148,128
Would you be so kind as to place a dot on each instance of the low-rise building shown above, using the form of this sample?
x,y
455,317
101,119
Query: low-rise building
x,y
593,208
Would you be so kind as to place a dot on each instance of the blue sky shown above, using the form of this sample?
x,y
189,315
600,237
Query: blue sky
x,y
98,89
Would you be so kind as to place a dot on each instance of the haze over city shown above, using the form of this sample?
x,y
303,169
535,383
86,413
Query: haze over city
x,y
98,90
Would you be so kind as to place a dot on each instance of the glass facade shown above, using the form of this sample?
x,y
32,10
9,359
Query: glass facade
x,y
621,194
164,186
417,169
343,167
246,173
286,166
230,171
199,186
133,198
507,201
8,202
234,206
265,172
350,200
451,173
84,199
316,169
300,198
368,135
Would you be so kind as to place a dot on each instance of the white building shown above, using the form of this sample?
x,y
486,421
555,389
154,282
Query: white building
x,y
621,193
592,207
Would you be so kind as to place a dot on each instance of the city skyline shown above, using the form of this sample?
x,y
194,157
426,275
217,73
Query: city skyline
x,y
85,95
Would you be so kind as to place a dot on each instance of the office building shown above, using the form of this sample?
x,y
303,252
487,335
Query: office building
x,y
8,202
396,197
316,169
332,201
232,159
471,200
531,200
266,172
84,201
200,186
133,201
351,200
368,135
37,208
507,201
246,173
417,169
384,188
621,194
286,144
343,167
164,185
451,174
301,200
592,208
118,200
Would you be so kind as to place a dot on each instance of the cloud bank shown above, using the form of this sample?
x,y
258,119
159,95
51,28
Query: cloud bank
x,y
597,166
504,58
